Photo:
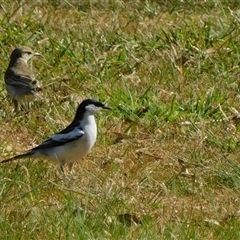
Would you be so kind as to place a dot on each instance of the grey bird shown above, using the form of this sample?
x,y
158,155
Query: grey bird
x,y
20,82
74,142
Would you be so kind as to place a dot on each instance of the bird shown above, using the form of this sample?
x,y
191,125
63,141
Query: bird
x,y
20,82
72,143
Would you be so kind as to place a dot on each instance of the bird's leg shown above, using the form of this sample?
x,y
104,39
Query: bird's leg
x,y
15,102
62,168
27,106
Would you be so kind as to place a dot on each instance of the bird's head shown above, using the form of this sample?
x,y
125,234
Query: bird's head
x,y
89,106
23,52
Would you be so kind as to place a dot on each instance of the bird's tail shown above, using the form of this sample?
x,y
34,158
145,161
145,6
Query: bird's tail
x,y
24,155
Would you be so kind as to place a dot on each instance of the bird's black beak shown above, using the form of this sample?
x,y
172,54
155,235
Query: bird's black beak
x,y
105,107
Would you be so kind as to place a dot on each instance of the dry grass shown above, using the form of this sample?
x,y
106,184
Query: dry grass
x,y
171,74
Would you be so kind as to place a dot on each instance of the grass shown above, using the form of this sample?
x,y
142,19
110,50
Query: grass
x,y
165,165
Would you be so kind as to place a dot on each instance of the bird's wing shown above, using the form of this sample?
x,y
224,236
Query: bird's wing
x,y
17,79
62,137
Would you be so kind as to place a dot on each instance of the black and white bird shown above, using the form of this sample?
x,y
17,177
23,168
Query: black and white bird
x,y
20,82
72,143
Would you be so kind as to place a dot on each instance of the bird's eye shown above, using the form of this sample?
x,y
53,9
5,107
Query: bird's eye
x,y
29,53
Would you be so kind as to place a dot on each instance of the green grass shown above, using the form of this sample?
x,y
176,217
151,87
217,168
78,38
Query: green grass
x,y
170,71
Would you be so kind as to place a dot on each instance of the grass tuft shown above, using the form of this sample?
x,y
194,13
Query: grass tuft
x,y
165,165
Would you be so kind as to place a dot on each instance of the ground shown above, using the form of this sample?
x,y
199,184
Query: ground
x,y
165,164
